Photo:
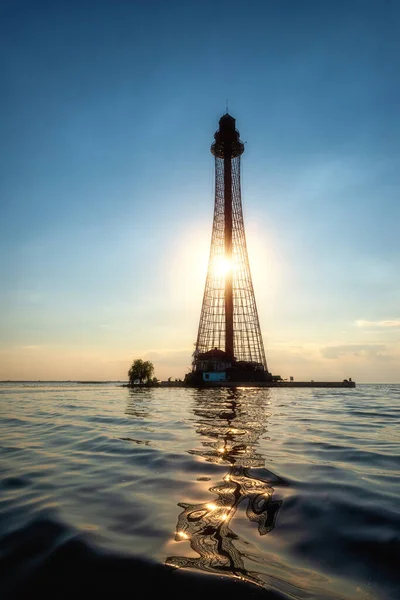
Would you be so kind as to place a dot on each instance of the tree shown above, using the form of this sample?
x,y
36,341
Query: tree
x,y
141,370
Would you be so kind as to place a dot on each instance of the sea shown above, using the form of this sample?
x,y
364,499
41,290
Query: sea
x,y
107,491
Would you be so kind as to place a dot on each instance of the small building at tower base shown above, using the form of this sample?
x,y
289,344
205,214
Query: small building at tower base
x,y
216,366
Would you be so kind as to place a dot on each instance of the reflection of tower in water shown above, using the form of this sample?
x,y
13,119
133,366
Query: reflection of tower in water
x,y
232,421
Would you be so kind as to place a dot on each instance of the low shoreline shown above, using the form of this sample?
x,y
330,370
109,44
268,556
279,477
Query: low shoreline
x,y
247,384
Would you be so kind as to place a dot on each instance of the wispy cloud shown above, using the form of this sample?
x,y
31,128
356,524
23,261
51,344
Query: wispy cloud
x,y
359,350
30,347
378,324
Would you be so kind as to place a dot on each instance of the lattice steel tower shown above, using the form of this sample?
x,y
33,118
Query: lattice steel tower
x,y
229,329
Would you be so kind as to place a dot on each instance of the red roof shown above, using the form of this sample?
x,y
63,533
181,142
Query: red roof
x,y
214,353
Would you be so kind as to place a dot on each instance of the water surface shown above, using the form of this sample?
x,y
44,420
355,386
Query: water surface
x,y
277,493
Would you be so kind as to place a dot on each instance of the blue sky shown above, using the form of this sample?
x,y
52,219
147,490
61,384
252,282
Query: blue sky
x,y
108,110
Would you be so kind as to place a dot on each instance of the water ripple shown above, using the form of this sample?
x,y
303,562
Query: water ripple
x,y
289,493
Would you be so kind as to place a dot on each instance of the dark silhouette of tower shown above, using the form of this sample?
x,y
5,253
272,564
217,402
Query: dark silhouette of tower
x,y
229,344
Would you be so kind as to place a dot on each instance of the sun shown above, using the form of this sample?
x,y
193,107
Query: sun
x,y
221,266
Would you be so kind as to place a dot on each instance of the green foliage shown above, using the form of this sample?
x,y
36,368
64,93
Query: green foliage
x,y
141,370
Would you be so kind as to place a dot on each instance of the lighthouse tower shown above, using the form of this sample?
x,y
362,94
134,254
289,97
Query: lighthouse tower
x,y
229,344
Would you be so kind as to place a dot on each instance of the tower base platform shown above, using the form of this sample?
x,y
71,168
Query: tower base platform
x,y
273,384
234,377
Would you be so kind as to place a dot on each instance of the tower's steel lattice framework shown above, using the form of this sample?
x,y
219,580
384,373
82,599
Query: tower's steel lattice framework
x,y
229,319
